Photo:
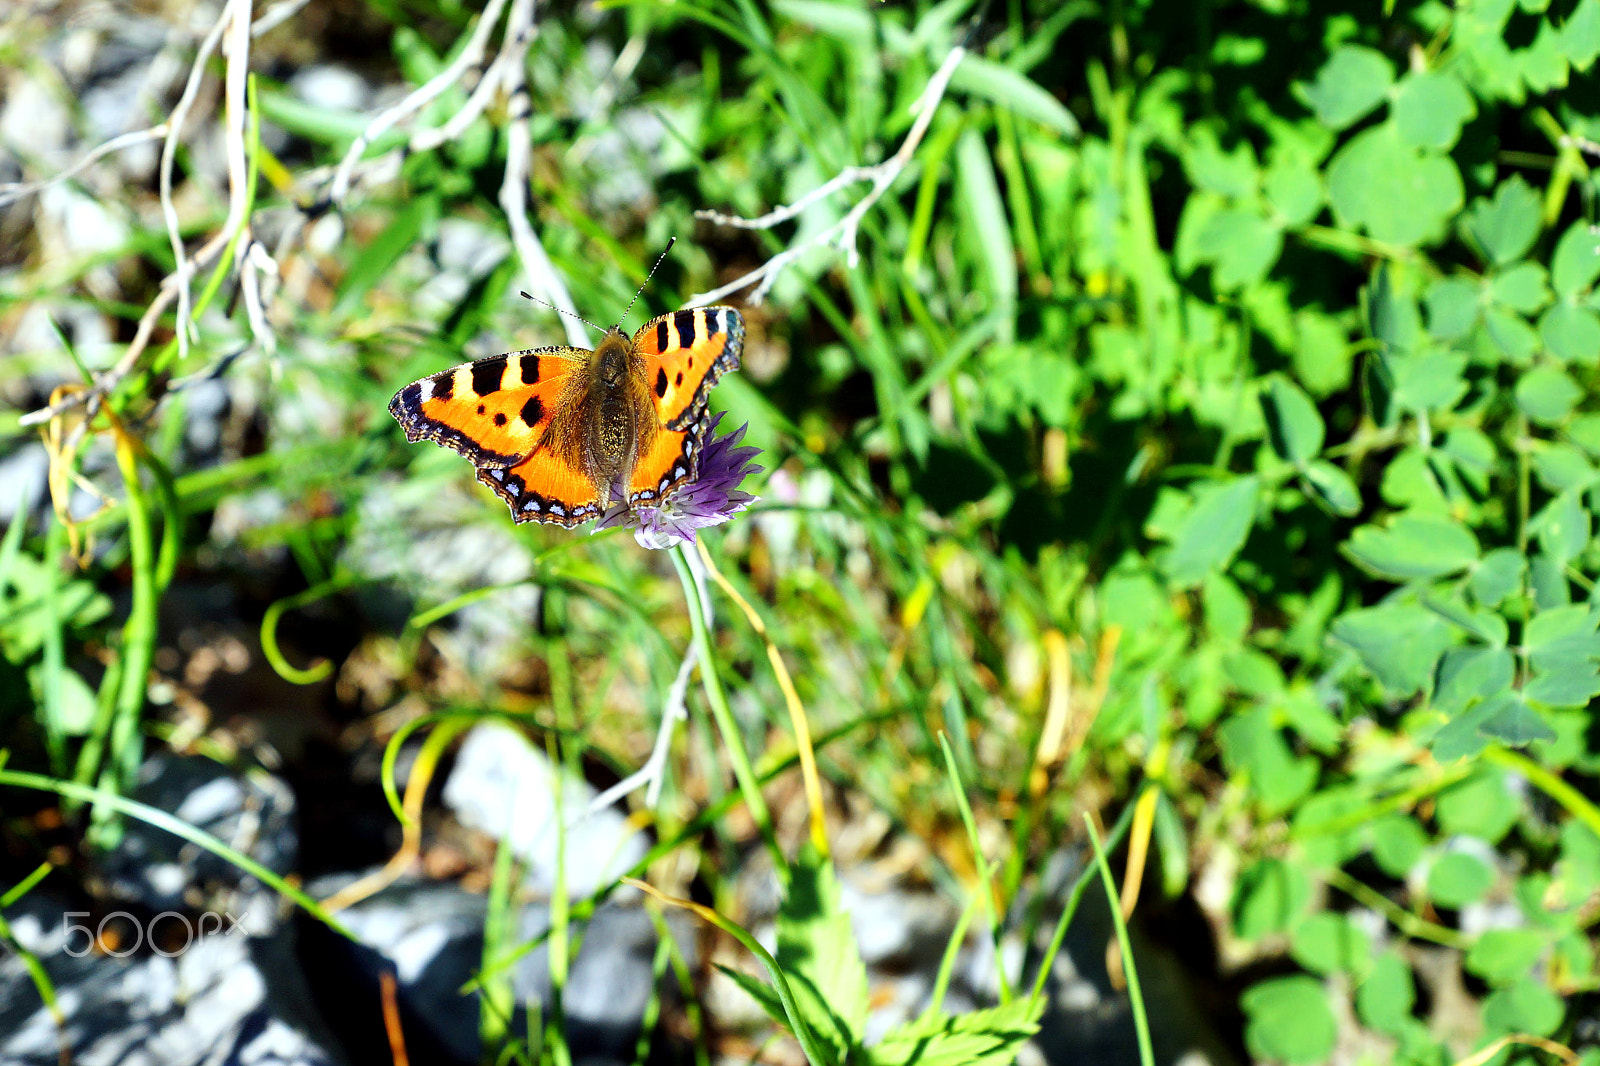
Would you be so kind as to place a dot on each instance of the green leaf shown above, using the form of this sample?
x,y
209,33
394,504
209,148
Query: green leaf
x,y
1480,806
1575,263
1462,737
1293,423
1497,575
1522,288
1333,488
1542,64
1322,354
1553,632
1004,87
1385,998
1429,380
1512,722
1430,107
1414,546
984,216
1506,226
1572,334
1231,174
1240,244
1526,1006
1289,1020
1547,395
1472,673
1511,334
1396,192
76,704
990,1037
1562,526
1398,642
1486,626
1213,530
1328,943
1501,956
1227,610
1293,189
852,25
817,950
1584,429
1397,843
1457,879
1579,869
1580,37
1452,307
1568,685
1560,467
1351,83
1252,745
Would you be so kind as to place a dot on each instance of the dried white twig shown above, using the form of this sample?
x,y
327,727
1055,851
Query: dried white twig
x,y
541,273
842,234
470,57
653,772
652,775
276,15
542,276
10,192
169,154
505,72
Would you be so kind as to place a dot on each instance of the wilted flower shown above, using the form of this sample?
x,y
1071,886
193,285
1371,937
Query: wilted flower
x,y
710,499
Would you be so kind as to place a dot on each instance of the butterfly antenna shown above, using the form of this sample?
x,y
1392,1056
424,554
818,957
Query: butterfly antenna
x,y
570,314
670,242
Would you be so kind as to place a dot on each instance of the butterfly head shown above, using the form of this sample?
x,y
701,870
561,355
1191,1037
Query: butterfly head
x,y
612,358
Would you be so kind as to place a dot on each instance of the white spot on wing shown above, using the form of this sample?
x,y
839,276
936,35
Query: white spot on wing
x,y
425,390
558,510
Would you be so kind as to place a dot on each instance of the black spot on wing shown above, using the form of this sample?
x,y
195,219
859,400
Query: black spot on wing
x,y
684,320
444,385
499,418
680,378
487,375
532,412
661,335
530,369
661,382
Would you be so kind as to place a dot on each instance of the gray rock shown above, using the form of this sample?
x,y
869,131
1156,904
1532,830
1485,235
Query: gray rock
x,y
253,814
431,935
224,999
22,480
331,86
504,786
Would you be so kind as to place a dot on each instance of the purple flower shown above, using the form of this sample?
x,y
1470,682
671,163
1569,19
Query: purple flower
x,y
710,498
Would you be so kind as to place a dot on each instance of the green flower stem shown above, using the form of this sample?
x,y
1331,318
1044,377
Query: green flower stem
x,y
729,729
1141,1024
139,635
1399,917
179,828
1574,802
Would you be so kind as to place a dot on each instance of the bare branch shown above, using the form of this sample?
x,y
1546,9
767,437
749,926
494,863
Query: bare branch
x,y
842,234
169,154
470,57
11,192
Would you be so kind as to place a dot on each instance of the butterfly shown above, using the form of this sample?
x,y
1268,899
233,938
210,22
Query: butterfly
x,y
563,433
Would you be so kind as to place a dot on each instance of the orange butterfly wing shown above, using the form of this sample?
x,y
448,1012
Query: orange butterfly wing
x,y
495,412
685,353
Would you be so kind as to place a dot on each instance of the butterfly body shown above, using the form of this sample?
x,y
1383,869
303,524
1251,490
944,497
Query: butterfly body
x,y
562,433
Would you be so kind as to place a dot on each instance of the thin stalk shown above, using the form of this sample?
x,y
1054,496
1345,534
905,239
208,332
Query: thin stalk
x,y
712,683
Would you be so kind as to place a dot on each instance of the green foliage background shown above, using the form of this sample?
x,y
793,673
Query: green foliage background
x,y
1249,346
